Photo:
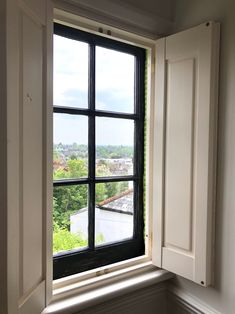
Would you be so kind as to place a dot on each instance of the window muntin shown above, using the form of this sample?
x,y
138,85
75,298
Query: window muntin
x,y
100,251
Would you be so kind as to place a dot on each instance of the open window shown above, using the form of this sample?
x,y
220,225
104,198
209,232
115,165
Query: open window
x,y
182,178
98,151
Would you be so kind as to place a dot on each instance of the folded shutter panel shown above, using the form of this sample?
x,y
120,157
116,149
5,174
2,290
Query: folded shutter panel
x,y
29,183
185,151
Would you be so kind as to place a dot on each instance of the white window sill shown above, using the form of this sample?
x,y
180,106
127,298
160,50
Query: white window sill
x,y
74,298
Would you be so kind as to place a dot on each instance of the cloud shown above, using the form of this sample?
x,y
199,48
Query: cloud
x,y
72,98
70,69
115,78
114,92
113,131
69,129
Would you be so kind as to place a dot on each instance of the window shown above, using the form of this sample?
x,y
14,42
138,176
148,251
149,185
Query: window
x,y
181,182
98,156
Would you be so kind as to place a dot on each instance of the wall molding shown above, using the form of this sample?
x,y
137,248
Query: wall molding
x,y
123,16
187,302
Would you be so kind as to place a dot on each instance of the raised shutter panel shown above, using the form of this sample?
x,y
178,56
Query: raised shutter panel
x,y
184,177
29,90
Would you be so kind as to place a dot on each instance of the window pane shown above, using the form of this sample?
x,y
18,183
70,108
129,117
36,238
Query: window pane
x,y
114,212
114,80
114,147
70,73
70,152
70,218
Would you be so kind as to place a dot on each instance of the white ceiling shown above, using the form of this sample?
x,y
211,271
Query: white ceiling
x,y
162,8
146,17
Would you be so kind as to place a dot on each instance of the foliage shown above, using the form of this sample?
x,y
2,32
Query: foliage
x,y
114,152
74,168
102,151
70,199
67,200
63,240
99,239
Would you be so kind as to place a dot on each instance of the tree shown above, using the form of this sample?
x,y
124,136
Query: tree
x,y
69,199
63,240
72,198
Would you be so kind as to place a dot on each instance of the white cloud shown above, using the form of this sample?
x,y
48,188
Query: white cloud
x,y
115,73
115,91
70,68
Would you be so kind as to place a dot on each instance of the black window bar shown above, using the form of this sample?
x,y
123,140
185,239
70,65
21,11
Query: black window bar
x,y
78,260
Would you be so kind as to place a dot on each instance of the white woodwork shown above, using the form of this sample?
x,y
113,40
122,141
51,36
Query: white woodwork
x,y
185,142
31,186
48,149
28,103
179,153
179,301
3,162
158,153
36,9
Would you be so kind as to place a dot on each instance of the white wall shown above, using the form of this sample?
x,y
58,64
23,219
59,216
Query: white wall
x,y
151,300
112,226
3,159
189,13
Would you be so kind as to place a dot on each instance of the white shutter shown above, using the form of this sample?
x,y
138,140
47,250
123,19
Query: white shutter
x,y
28,102
184,151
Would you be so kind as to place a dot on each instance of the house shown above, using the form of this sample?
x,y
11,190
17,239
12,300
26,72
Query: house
x,y
113,219
149,18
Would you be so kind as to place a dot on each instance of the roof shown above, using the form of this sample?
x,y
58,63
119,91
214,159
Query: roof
x,y
121,203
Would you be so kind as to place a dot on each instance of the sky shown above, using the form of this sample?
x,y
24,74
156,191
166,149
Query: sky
x,y
114,92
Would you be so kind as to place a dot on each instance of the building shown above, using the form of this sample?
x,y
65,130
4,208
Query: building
x,y
113,219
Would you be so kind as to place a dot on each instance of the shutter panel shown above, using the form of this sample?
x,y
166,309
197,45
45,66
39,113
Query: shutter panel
x,y
184,149
29,103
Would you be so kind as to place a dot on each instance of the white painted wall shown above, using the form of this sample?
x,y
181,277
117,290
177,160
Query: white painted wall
x,y
3,159
151,300
189,13
113,226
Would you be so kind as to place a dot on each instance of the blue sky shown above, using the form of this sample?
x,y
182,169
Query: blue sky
x,y
114,91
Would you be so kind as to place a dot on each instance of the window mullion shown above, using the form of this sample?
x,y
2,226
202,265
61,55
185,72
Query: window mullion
x,y
91,147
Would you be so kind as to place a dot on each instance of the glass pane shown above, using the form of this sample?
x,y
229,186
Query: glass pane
x,y
70,149
70,218
114,147
114,212
115,80
70,73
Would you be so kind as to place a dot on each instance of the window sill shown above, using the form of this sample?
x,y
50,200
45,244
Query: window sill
x,y
77,297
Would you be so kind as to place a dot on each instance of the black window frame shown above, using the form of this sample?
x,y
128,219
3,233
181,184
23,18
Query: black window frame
x,y
75,261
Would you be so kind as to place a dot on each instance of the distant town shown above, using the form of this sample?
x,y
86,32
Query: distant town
x,y
70,202
110,159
